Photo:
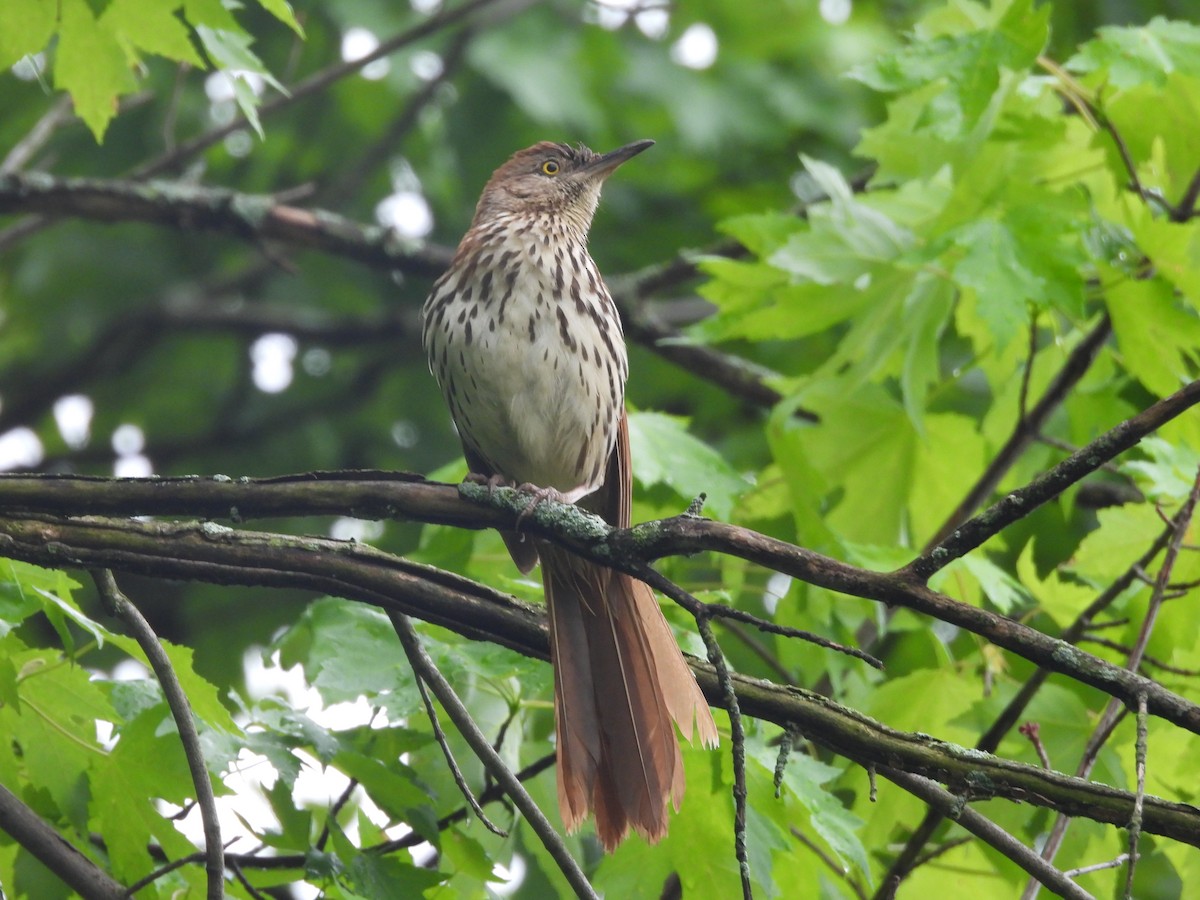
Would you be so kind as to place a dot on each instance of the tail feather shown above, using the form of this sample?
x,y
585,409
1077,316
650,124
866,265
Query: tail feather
x,y
620,687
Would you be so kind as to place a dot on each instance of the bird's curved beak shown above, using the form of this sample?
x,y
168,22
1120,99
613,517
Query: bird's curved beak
x,y
604,165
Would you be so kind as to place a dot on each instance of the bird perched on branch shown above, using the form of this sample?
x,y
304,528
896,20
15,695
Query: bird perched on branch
x,y
526,345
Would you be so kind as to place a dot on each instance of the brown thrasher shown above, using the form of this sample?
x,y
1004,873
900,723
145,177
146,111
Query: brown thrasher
x,y
526,345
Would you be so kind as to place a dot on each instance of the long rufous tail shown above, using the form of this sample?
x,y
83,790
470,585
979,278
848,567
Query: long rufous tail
x,y
620,687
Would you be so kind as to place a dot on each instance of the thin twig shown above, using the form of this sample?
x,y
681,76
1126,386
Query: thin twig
x,y
372,159
245,882
1026,429
1135,821
942,849
459,779
737,740
1050,484
909,857
721,611
1114,711
425,669
987,831
181,711
1032,732
830,863
1027,370
1113,863
762,651
493,793
313,84
1147,659
43,129
252,860
337,807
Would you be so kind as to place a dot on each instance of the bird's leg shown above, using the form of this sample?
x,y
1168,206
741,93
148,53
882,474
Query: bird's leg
x,y
536,496
491,482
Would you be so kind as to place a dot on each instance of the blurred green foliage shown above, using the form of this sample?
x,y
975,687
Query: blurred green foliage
x,y
963,177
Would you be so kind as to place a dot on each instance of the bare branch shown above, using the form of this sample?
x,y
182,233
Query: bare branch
x,y
1114,711
908,858
187,207
440,736
989,832
378,495
1028,427
78,872
836,868
220,555
426,671
259,219
181,711
43,129
321,80
1050,484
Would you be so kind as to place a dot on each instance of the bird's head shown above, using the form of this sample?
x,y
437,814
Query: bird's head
x,y
552,179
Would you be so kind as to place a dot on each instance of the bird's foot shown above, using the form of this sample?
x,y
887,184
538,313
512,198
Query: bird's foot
x,y
491,482
536,496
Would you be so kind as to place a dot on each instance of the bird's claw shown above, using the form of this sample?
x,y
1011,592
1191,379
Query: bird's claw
x,y
491,482
536,496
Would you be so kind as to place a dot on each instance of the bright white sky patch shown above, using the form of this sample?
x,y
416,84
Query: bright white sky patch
x,y
696,47
653,22
272,355
509,877
219,85
362,530
610,16
426,65
835,12
358,42
20,449
128,442
777,586
128,439
73,416
407,213
136,466
428,7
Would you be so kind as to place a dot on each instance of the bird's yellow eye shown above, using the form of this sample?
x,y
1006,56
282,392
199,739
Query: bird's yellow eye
x,y
550,167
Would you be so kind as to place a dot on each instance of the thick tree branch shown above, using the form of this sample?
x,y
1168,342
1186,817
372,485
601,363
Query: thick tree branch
x,y
265,218
188,207
908,858
220,555
406,497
